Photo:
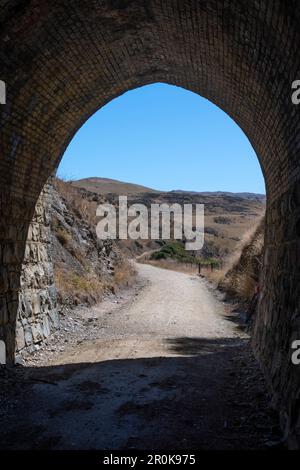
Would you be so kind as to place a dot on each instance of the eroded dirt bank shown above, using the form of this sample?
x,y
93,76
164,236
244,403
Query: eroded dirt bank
x,y
163,367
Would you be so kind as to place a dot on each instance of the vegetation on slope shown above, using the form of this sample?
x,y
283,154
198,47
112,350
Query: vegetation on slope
x,y
85,267
243,277
175,250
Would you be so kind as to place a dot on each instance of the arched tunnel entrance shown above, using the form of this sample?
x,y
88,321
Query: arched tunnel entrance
x,y
61,63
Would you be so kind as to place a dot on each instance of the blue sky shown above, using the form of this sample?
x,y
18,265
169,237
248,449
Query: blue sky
x,y
164,137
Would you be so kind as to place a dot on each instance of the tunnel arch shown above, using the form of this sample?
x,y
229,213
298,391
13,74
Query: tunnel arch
x,y
61,63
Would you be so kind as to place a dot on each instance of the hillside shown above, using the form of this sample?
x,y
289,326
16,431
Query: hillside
x,y
242,278
107,186
245,195
229,217
85,267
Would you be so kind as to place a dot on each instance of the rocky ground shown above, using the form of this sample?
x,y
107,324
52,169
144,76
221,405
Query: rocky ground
x,y
79,325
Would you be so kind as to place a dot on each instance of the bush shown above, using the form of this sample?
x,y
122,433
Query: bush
x,y
159,255
173,250
222,220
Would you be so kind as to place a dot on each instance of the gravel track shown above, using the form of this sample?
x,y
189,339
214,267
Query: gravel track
x,y
161,368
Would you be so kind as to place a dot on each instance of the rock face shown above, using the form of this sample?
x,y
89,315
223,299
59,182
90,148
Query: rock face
x,y
37,313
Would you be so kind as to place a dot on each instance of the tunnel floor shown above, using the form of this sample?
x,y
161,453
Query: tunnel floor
x,y
164,368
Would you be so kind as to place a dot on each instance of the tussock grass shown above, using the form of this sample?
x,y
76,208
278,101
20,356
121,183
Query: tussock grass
x,y
124,274
75,289
242,277
83,208
87,288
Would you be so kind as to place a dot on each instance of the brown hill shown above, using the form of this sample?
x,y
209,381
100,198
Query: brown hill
x,y
108,186
228,216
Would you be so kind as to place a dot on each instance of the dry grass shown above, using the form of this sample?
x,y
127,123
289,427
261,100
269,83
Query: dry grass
x,y
84,208
171,265
78,289
63,237
84,285
240,273
74,288
242,278
214,276
246,286
124,275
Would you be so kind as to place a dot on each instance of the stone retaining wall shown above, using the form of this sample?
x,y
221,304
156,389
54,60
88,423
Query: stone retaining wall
x,y
37,313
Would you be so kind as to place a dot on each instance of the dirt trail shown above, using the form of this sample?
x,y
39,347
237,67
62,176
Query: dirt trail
x,y
166,369
171,305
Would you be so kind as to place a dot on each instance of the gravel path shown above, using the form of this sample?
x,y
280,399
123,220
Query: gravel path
x,y
161,368
170,305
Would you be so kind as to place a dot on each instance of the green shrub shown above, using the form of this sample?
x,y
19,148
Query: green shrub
x,y
175,250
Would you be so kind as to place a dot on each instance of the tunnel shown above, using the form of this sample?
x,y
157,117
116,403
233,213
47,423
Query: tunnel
x,y
62,61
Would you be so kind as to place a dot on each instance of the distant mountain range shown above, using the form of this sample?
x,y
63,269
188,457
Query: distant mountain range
x,y
111,186
229,217
245,195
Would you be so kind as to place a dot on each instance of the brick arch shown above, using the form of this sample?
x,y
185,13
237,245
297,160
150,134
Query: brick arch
x,y
62,61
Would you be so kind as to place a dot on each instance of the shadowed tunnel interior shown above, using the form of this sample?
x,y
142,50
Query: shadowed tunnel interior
x,y
105,405
63,63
